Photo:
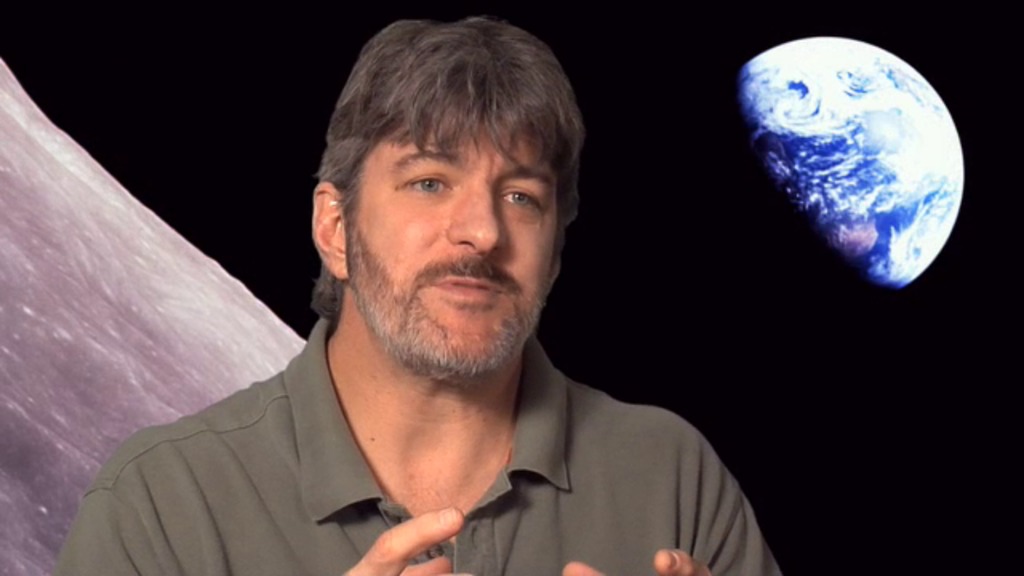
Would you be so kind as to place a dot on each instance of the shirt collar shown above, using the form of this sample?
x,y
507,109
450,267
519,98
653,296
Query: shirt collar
x,y
332,471
541,419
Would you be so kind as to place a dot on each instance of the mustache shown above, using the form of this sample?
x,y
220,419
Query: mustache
x,y
476,268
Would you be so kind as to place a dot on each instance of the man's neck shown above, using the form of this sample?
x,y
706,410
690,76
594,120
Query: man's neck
x,y
429,443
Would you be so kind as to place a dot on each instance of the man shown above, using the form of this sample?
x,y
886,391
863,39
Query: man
x,y
423,429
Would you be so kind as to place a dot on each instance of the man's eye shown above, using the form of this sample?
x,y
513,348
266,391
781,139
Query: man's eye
x,y
428,185
519,198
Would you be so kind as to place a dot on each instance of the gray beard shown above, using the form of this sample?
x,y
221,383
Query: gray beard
x,y
414,339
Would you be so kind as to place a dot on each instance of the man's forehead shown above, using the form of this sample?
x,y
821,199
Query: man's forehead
x,y
521,154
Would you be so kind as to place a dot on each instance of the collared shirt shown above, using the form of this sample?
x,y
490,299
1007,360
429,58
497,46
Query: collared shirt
x,y
270,481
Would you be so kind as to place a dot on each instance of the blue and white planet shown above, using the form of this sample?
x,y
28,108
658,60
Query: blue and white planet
x,y
863,145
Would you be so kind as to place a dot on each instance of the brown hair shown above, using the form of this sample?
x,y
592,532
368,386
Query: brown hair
x,y
438,84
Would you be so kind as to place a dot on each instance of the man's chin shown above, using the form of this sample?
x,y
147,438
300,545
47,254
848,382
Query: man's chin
x,y
468,359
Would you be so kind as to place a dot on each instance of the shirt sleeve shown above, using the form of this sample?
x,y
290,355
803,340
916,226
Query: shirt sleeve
x,y
730,541
108,537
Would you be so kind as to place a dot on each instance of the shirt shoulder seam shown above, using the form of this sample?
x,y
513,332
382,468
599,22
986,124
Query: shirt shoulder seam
x,y
205,428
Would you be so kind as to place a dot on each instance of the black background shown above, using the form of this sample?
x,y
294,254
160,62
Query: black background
x,y
872,429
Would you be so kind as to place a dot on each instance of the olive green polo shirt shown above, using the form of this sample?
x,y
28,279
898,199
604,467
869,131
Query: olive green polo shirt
x,y
270,482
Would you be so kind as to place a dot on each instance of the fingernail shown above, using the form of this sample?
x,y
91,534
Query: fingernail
x,y
673,562
449,516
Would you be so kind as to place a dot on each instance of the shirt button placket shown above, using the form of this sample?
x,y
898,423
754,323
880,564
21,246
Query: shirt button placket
x,y
475,551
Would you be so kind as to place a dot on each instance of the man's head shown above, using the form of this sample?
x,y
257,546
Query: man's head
x,y
437,86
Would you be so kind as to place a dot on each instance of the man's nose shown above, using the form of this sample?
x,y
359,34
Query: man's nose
x,y
475,221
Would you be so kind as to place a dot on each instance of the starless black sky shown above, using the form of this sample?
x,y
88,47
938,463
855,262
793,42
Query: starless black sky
x,y
861,422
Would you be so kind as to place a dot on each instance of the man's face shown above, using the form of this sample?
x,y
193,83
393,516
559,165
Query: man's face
x,y
451,257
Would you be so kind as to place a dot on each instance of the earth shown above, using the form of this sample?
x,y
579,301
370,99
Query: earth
x,y
863,145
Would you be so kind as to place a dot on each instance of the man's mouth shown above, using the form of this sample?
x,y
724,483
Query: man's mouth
x,y
468,283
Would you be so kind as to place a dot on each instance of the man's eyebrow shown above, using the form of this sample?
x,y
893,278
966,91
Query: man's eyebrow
x,y
524,171
414,158
518,171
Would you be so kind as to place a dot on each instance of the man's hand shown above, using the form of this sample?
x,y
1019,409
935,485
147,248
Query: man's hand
x,y
678,563
391,553
666,563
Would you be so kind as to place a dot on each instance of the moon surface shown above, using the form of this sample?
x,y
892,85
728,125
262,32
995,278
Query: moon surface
x,y
111,322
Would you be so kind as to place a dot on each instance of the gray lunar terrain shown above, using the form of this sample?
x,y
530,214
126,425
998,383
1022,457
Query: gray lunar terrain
x,y
109,321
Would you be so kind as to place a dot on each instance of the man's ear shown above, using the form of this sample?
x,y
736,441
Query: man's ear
x,y
556,268
329,229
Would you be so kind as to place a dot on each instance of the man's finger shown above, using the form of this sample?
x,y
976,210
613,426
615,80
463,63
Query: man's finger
x,y
435,567
394,549
678,563
579,569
